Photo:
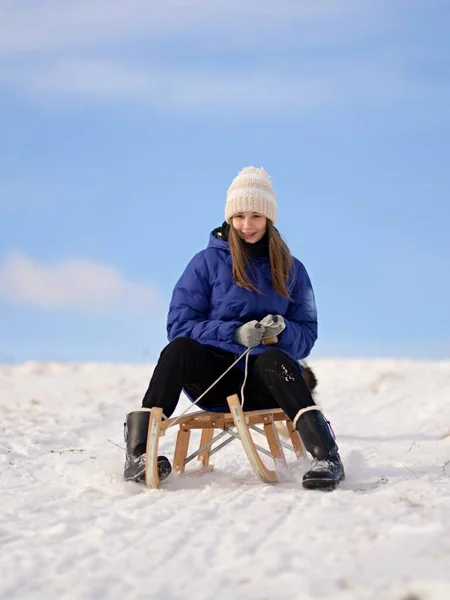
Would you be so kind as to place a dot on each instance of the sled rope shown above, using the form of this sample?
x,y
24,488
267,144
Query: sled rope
x,y
246,353
245,377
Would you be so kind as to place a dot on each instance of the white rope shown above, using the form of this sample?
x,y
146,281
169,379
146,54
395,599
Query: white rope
x,y
214,383
245,377
302,411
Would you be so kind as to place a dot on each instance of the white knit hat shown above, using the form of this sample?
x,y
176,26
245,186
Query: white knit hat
x,y
251,190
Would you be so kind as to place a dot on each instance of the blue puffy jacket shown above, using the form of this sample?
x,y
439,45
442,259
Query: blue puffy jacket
x,y
208,306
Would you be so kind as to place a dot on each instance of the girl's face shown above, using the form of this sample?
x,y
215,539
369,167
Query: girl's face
x,y
251,226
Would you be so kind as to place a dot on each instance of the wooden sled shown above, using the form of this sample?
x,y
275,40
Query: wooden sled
x,y
233,425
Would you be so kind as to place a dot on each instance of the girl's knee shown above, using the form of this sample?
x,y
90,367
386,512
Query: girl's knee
x,y
182,344
180,347
276,361
271,356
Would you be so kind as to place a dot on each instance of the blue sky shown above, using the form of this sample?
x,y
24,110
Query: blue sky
x,y
123,123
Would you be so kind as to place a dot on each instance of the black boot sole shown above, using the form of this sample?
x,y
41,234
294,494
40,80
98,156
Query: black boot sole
x,y
321,483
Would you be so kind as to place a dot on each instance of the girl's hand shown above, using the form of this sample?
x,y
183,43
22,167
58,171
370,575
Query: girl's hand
x,y
273,325
250,334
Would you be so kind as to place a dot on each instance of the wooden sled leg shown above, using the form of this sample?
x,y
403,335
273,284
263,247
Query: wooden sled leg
x,y
274,442
151,462
181,449
207,436
258,466
295,439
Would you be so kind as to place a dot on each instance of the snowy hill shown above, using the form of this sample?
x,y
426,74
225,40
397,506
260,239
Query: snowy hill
x,y
71,528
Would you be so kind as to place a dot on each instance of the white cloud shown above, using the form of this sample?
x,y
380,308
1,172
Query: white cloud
x,y
73,285
64,50
43,25
196,88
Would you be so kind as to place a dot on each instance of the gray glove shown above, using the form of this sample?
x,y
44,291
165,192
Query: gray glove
x,y
273,325
250,334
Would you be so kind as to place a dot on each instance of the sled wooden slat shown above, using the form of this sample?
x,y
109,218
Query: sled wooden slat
x,y
207,436
203,420
181,449
240,422
151,462
274,442
295,439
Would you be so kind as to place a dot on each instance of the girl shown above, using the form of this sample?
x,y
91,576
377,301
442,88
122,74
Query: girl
x,y
242,289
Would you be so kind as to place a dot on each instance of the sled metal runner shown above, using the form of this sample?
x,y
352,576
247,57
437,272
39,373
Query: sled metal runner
x,y
237,424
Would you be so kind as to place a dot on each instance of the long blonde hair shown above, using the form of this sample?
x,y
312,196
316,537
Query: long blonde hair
x,y
279,256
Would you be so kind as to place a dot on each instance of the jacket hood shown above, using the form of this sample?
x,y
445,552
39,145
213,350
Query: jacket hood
x,y
219,237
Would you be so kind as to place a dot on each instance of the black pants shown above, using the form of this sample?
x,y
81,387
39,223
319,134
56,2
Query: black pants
x,y
274,380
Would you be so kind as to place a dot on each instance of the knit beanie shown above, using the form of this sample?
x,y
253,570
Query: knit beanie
x,y
251,190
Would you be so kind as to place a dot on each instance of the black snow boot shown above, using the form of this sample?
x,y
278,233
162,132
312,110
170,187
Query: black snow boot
x,y
317,437
135,432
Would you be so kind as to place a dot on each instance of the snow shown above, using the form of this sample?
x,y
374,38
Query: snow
x,y
71,528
